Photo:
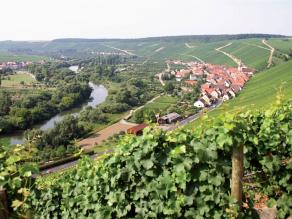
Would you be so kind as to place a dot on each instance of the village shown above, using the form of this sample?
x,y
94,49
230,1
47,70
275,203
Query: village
x,y
14,65
217,83
220,83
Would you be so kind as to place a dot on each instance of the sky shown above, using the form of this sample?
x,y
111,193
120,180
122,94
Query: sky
x,y
51,19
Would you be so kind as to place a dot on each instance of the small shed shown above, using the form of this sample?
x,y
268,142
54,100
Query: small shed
x,y
137,130
169,118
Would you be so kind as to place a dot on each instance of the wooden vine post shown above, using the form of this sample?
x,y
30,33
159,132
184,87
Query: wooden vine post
x,y
3,204
237,174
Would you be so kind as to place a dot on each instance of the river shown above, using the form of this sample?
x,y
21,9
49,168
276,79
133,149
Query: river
x,y
97,96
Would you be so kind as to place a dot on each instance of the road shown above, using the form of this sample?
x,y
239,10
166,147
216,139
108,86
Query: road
x,y
272,50
192,118
235,59
70,164
122,125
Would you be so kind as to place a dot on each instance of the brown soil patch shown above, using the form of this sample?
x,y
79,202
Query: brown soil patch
x,y
104,134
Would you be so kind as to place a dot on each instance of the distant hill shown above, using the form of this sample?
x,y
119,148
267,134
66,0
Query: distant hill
x,y
185,38
154,49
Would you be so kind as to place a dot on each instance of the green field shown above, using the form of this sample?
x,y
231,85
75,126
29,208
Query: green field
x,y
283,45
162,103
16,80
251,52
7,57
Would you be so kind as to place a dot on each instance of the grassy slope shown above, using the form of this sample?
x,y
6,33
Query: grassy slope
x,y
207,52
247,50
162,103
283,45
249,53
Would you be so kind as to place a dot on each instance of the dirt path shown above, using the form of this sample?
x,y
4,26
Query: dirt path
x,y
161,73
189,46
160,78
200,60
122,50
235,59
99,137
116,128
27,73
140,107
272,50
159,49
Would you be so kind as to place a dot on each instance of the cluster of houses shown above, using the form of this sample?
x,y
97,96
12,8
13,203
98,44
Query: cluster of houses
x,y
14,65
220,82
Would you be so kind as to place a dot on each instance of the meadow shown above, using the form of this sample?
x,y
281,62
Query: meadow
x,y
17,80
161,104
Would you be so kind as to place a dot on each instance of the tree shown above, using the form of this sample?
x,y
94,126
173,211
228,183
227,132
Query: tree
x,y
169,87
139,116
5,103
65,131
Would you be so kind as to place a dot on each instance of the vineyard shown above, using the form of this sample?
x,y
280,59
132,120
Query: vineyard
x,y
181,174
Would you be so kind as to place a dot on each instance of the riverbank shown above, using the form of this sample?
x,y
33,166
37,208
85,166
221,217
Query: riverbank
x,y
98,95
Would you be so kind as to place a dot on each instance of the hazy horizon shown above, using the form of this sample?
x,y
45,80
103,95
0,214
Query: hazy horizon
x,y
34,20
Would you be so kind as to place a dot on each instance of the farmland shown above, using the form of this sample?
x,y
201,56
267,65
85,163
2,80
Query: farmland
x,y
250,54
161,104
284,45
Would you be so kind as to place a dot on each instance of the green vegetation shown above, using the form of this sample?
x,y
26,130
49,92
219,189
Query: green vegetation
x,y
182,174
284,45
161,103
250,54
17,80
10,57
22,113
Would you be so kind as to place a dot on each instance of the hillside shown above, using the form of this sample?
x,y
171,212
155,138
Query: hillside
x,y
153,48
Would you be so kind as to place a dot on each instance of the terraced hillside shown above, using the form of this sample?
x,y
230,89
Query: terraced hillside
x,y
251,52
155,48
284,45
207,52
